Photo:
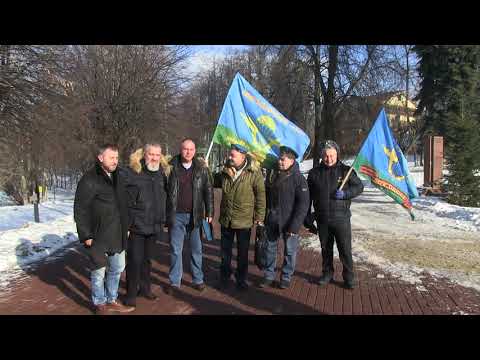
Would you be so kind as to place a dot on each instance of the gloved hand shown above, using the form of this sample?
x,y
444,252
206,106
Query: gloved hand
x,y
340,194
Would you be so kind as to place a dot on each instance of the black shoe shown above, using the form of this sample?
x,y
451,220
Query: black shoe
x,y
149,295
130,302
284,284
264,283
223,283
169,289
242,286
200,287
324,280
349,285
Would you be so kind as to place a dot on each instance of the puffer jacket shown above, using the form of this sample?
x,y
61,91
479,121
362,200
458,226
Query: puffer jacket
x,y
287,199
101,214
323,181
147,195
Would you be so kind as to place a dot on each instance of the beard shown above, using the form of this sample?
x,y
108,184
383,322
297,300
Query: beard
x,y
152,167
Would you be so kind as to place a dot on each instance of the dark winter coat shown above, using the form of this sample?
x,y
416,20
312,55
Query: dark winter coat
x,y
147,196
202,193
243,200
323,181
101,214
287,199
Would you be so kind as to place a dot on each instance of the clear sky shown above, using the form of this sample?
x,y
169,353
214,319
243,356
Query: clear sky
x,y
217,49
203,55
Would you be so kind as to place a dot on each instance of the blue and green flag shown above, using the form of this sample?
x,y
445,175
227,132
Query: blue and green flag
x,y
251,121
382,162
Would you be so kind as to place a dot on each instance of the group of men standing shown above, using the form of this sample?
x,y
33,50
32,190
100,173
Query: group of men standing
x,y
120,210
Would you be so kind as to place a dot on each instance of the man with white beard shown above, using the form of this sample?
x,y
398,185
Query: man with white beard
x,y
146,187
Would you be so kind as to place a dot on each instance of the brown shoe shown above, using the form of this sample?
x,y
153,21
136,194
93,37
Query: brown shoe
x,y
117,307
101,309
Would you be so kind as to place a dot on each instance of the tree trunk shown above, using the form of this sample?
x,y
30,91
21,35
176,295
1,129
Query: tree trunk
x,y
318,119
328,113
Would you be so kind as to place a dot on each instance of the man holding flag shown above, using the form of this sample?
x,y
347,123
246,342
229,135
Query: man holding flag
x,y
255,131
332,210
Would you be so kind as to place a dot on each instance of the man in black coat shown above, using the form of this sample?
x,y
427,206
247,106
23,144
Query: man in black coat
x,y
101,215
147,190
190,194
287,205
332,211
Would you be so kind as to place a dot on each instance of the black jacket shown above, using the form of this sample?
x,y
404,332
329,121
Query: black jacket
x,y
287,199
147,199
323,181
202,192
101,214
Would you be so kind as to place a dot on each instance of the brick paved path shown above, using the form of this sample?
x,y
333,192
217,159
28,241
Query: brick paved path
x,y
62,287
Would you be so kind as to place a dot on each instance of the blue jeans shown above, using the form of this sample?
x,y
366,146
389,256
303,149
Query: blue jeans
x,y
181,229
289,254
105,289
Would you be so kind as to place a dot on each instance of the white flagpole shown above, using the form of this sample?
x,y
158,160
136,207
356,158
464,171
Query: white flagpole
x,y
209,150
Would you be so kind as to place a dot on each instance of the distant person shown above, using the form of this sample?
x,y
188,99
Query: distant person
x,y
147,181
242,206
101,214
332,211
190,195
287,205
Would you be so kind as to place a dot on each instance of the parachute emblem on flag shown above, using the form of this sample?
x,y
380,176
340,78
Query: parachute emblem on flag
x,y
392,161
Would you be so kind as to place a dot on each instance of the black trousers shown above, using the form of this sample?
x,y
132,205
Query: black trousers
x,y
139,264
226,244
341,233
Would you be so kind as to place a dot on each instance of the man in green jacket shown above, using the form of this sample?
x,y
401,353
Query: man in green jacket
x,y
243,204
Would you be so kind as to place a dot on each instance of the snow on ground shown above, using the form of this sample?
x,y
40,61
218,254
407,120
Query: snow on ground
x,y
5,199
15,216
23,242
444,239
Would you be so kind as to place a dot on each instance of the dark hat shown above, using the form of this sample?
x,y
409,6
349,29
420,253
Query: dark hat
x,y
287,150
239,148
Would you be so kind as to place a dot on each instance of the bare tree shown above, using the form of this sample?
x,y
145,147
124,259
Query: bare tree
x,y
338,72
132,90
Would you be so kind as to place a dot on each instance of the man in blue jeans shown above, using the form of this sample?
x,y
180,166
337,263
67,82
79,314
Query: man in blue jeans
x,y
101,215
190,200
287,205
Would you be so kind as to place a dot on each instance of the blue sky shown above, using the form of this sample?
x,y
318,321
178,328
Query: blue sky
x,y
203,55
217,49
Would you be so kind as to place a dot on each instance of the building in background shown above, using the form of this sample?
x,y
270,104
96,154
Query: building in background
x,y
358,113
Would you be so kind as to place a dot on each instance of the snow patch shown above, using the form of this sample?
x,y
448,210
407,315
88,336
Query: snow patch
x,y
442,242
5,200
24,242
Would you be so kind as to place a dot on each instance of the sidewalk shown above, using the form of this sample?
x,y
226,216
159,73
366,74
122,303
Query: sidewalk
x,y
62,286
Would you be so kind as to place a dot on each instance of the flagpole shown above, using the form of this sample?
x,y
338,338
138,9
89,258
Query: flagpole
x,y
351,167
209,150
346,177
